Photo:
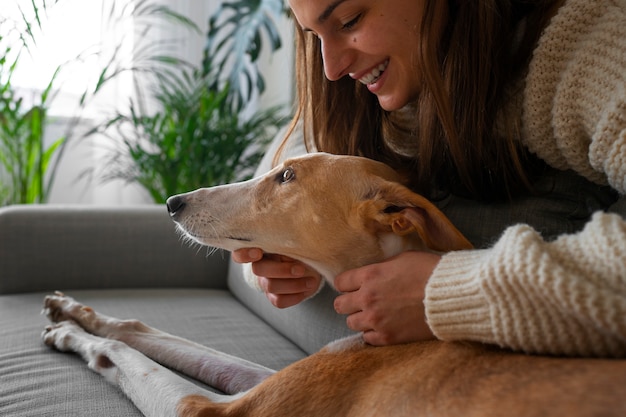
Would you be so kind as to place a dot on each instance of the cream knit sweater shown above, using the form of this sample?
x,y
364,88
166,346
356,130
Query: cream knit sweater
x,y
567,296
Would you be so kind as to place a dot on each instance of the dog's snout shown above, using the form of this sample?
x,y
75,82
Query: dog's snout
x,y
175,205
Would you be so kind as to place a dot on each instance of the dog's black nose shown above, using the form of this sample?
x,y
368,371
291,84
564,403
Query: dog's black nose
x,y
175,205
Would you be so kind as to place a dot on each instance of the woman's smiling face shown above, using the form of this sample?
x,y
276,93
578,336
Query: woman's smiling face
x,y
372,41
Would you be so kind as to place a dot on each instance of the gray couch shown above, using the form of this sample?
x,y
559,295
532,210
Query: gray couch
x,y
129,263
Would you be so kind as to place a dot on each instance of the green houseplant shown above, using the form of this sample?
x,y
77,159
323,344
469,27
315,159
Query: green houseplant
x,y
24,157
200,134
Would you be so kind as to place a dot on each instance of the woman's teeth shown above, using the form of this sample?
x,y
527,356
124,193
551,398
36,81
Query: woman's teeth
x,y
375,74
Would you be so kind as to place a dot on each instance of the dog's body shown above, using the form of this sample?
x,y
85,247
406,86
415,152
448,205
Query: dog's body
x,y
333,213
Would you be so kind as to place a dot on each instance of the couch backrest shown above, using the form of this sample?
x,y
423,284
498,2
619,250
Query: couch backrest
x,y
51,247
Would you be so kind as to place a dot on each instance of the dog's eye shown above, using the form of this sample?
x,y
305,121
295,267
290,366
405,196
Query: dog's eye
x,y
287,175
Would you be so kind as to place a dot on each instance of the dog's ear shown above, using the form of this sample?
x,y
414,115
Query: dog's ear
x,y
403,212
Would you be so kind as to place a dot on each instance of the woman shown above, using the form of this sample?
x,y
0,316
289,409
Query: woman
x,y
495,110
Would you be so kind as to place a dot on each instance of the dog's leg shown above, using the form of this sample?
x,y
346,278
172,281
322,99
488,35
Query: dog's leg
x,y
217,369
155,390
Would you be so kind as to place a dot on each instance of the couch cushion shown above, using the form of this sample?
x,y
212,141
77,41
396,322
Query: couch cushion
x,y
38,381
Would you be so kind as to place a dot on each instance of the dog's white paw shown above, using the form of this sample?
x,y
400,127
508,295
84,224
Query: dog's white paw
x,y
59,307
61,335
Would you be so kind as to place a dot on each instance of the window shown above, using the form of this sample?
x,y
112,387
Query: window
x,y
69,32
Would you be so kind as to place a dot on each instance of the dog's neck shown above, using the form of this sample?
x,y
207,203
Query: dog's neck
x,y
390,244
393,244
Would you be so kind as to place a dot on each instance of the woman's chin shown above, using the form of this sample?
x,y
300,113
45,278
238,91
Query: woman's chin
x,y
390,103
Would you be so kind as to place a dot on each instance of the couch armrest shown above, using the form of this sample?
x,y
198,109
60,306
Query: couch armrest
x,y
47,247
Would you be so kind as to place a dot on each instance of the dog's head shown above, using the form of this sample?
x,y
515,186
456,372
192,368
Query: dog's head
x,y
331,212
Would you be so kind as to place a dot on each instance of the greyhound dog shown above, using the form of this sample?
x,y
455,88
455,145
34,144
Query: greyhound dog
x,y
332,213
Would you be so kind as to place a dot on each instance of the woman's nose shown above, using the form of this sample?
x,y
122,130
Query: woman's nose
x,y
336,59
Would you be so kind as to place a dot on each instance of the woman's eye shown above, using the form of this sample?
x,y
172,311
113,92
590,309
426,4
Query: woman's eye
x,y
288,175
349,25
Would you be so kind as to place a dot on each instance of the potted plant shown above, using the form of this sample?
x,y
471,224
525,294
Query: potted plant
x,y
200,134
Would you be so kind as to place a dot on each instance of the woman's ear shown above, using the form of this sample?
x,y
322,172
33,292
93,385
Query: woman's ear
x,y
406,212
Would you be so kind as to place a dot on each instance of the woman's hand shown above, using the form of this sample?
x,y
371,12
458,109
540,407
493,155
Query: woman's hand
x,y
385,301
285,281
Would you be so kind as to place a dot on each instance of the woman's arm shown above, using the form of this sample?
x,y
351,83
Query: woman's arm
x,y
563,297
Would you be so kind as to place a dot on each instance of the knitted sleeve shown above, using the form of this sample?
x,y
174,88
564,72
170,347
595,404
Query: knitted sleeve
x,y
567,296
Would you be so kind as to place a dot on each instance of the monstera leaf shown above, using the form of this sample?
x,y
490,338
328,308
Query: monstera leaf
x,y
234,42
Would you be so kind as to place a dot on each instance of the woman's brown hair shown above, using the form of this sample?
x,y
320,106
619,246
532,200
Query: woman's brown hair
x,y
470,72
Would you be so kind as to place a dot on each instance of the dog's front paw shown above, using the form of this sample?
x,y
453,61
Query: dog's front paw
x,y
61,335
59,307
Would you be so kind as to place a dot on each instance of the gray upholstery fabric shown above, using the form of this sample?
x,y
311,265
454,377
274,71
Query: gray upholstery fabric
x,y
45,248
310,324
38,381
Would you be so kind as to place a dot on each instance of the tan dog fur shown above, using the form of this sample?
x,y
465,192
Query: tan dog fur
x,y
334,213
